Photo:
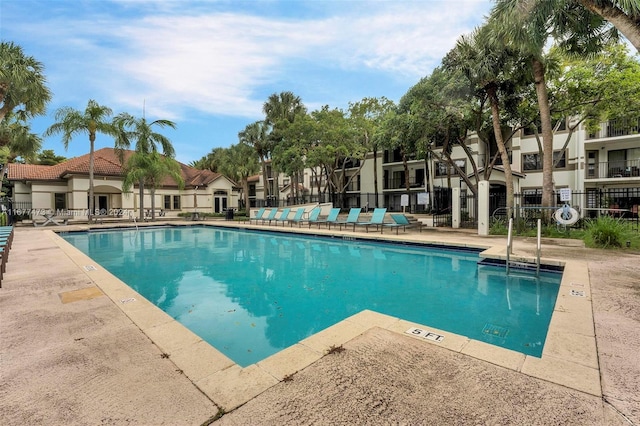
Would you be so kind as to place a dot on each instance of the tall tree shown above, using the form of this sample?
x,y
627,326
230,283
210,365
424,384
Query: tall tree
x,y
151,168
240,163
623,14
280,111
93,120
527,25
212,161
49,158
490,67
367,116
256,135
23,88
142,134
17,140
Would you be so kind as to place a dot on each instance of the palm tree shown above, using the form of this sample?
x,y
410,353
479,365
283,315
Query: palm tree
x,y
256,135
22,83
141,132
623,14
487,65
151,169
240,163
19,140
93,120
527,27
280,111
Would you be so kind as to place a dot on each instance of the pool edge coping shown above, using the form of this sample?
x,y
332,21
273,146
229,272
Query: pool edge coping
x,y
569,357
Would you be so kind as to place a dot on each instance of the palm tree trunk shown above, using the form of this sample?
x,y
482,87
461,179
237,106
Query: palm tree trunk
x,y
547,134
153,204
624,23
92,139
264,177
245,189
497,130
141,194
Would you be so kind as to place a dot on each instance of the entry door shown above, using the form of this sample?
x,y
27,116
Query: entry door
x,y
216,203
103,204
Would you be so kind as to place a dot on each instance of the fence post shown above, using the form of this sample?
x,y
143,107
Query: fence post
x,y
483,208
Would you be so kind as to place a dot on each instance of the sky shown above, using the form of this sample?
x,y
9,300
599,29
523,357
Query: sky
x,y
210,65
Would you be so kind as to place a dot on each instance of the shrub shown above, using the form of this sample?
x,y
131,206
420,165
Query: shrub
x,y
609,232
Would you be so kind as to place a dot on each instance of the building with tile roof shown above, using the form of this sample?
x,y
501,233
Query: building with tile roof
x,y
65,187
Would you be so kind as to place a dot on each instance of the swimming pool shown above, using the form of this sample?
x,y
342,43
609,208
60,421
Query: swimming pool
x,y
251,294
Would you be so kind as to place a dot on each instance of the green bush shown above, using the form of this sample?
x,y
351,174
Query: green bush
x,y
609,232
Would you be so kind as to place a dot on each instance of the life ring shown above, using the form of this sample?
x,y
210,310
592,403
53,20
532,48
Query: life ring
x,y
566,216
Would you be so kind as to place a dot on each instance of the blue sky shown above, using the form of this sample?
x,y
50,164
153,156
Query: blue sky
x,y
210,65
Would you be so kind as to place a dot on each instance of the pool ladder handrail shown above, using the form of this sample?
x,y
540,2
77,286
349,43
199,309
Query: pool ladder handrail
x,y
134,221
538,247
509,243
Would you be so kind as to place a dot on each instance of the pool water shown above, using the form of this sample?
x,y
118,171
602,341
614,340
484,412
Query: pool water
x,y
251,294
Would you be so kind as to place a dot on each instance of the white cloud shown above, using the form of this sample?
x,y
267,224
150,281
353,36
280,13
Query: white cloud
x,y
216,63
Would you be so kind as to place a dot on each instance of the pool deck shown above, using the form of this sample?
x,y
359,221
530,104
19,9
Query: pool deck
x,y
78,346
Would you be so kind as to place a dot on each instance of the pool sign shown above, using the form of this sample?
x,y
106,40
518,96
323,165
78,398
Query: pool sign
x,y
423,198
404,200
425,334
565,194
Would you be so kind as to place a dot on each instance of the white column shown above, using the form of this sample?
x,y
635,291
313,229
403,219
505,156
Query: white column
x,y
455,208
483,208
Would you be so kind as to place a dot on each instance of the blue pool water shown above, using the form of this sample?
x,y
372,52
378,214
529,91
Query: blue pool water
x,y
251,294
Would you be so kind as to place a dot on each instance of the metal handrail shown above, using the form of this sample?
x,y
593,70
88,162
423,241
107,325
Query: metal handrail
x,y
538,247
509,243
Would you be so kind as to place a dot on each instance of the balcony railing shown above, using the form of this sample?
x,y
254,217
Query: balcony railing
x,y
613,169
400,183
615,128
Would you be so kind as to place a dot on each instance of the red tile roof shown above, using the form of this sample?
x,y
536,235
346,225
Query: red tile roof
x,y
105,163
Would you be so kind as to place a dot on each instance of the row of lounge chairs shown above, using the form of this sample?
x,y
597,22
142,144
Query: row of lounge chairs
x,y
269,216
6,238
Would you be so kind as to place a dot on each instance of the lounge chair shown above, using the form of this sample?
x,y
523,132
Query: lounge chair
x,y
400,221
331,218
377,219
258,215
283,217
352,218
313,216
297,218
271,216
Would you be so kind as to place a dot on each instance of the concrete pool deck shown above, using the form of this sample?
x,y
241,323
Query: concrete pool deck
x,y
54,319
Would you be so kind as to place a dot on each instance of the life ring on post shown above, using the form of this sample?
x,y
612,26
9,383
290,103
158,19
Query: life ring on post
x,y
566,215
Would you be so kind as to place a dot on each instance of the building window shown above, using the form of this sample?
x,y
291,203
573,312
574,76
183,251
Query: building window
x,y
176,202
442,168
60,201
533,161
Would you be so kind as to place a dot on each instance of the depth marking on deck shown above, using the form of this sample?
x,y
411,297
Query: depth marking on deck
x,y
425,334
578,293
90,268
129,300
577,284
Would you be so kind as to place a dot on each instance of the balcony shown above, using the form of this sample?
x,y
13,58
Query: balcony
x,y
400,183
616,128
613,170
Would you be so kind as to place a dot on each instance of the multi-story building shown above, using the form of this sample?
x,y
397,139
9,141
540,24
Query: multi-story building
x,y
602,170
